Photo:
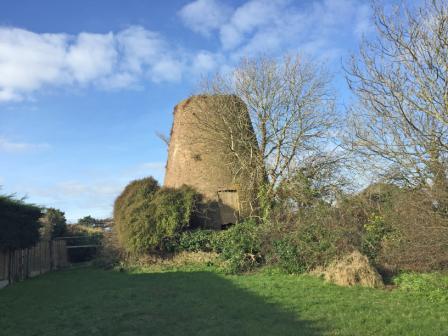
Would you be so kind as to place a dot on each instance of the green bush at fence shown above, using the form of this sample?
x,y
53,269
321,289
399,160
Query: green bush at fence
x,y
19,223
54,223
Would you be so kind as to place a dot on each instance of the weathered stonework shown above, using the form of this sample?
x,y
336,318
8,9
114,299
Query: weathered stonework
x,y
197,160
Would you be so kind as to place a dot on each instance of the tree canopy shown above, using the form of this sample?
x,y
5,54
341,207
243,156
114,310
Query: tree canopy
x,y
54,223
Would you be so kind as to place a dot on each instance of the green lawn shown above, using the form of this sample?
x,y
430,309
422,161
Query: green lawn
x,y
90,301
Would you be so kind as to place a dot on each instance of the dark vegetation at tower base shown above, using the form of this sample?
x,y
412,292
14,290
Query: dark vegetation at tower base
x,y
382,222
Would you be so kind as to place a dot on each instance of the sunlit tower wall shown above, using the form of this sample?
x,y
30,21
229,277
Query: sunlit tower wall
x,y
198,156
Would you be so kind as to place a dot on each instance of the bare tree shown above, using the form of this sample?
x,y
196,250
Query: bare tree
x,y
400,122
291,118
165,138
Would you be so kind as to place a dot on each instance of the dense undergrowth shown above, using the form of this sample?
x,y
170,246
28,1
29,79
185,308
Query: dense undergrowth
x,y
397,229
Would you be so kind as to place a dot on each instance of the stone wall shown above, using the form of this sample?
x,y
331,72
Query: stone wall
x,y
198,158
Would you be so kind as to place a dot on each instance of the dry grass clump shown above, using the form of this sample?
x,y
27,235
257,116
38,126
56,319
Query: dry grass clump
x,y
352,269
192,258
176,260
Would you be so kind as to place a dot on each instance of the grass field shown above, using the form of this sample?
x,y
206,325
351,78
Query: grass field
x,y
89,301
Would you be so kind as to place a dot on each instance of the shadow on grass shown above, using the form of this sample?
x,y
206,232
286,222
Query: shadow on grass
x,y
95,302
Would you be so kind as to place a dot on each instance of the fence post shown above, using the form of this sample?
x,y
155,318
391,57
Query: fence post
x,y
9,267
27,263
51,254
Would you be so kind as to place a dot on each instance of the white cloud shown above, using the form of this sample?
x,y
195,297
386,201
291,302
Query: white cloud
x,y
204,16
8,95
167,70
31,61
28,60
19,147
205,62
129,58
139,46
92,56
249,17
279,26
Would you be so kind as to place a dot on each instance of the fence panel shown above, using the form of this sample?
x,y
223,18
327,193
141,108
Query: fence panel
x,y
21,264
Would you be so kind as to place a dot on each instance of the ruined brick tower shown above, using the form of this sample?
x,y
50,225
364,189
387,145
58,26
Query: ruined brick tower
x,y
197,157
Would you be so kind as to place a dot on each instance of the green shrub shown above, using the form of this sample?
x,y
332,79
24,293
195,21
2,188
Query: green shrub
x,y
19,223
133,219
375,230
433,286
196,241
147,217
313,237
310,246
54,224
110,254
173,210
288,256
239,246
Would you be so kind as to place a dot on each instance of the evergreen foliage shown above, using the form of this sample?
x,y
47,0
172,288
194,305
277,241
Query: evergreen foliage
x,y
132,215
54,223
146,215
19,223
89,221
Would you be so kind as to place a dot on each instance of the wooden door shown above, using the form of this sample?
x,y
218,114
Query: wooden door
x,y
228,206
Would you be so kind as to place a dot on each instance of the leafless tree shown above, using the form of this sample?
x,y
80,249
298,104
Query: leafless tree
x,y
291,118
165,138
400,120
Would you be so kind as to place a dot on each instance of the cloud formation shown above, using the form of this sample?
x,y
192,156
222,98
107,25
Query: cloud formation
x,y
273,26
30,61
204,16
128,58
20,147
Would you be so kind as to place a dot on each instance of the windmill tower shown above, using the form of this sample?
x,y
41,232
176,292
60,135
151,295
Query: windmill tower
x,y
198,156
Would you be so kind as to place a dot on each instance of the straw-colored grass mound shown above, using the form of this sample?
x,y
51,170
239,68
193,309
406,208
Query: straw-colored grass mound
x,y
176,260
352,269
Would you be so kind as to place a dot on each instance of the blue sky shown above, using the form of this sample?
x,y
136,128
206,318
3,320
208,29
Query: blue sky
x,y
85,85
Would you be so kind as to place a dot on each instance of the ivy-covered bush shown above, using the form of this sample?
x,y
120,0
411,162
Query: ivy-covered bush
x,y
375,231
310,246
173,211
133,215
239,246
147,217
288,256
196,241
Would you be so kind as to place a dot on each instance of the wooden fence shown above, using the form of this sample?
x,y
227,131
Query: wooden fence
x,y
22,264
